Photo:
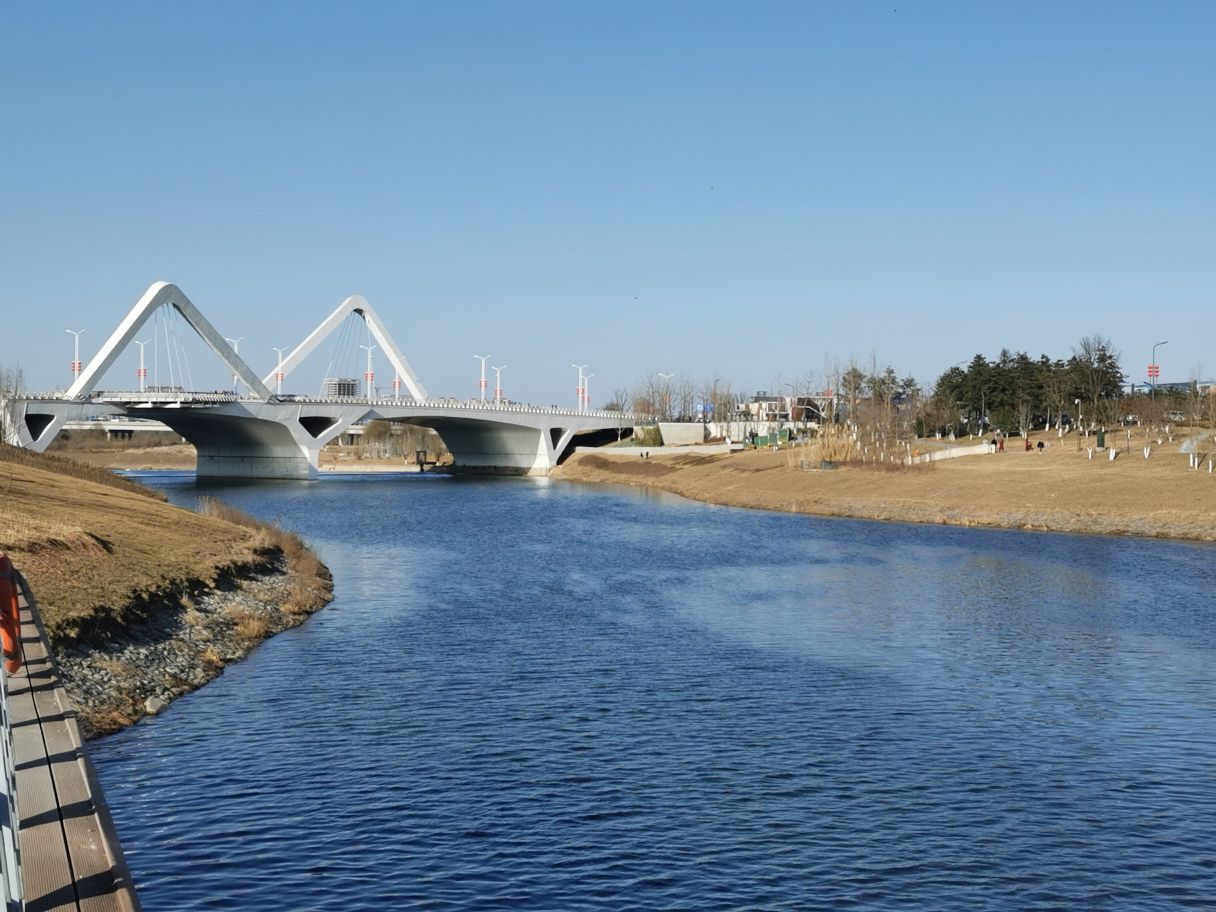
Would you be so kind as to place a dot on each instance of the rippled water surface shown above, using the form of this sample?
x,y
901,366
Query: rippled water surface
x,y
532,695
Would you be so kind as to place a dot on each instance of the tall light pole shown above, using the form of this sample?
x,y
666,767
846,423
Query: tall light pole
x,y
481,385
369,375
1153,371
587,390
76,333
498,383
143,371
236,347
278,373
666,394
579,390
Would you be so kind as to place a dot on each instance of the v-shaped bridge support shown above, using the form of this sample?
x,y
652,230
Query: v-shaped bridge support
x,y
354,304
158,295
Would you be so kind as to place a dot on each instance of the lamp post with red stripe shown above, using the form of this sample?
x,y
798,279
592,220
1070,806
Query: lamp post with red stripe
x,y
278,373
579,389
76,334
236,348
143,371
498,383
482,383
1154,371
369,375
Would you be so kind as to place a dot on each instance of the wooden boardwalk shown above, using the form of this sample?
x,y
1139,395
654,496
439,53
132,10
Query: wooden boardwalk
x,y
70,855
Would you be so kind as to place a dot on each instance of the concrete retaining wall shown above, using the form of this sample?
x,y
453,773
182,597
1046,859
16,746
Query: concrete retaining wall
x,y
682,433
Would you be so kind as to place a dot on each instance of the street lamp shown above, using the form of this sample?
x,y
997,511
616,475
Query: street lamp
x,y
236,347
579,390
482,384
369,375
1153,371
143,371
278,373
1077,403
498,383
587,390
76,333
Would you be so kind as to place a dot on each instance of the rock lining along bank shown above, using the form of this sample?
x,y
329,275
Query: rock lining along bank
x,y
138,669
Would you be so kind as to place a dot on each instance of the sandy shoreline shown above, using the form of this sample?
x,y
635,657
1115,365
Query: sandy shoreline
x,y
1060,490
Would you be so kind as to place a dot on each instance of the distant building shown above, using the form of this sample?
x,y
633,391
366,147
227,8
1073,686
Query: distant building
x,y
340,386
799,409
1186,387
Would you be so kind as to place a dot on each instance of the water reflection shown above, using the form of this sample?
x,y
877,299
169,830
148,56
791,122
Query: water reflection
x,y
544,696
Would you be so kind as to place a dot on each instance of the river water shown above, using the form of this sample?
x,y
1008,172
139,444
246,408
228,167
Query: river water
x,y
537,695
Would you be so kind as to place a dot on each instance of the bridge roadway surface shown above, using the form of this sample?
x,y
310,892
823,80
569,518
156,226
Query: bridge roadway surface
x,y
71,858
282,437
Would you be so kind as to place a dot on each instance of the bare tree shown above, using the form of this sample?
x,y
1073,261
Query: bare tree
x,y
1095,365
12,383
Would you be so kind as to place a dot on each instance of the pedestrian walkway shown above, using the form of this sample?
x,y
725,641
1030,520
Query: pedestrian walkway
x,y
70,855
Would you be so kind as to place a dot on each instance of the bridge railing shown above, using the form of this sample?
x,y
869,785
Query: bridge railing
x,y
220,397
187,396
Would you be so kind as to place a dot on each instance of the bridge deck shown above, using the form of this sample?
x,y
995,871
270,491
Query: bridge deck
x,y
70,855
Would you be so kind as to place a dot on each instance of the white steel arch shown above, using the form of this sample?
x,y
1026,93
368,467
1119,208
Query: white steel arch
x,y
354,304
158,295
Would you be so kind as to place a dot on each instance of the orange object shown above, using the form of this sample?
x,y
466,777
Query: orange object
x,y
10,616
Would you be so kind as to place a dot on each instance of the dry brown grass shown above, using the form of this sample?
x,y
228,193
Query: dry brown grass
x,y
178,456
1059,489
104,720
248,625
15,456
311,585
100,554
73,442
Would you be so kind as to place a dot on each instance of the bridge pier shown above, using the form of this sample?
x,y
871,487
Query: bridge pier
x,y
490,448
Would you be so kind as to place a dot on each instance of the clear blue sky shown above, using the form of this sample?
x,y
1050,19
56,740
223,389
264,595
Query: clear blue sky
x,y
741,190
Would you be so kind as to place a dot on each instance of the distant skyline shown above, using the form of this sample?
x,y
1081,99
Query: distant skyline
x,y
743,191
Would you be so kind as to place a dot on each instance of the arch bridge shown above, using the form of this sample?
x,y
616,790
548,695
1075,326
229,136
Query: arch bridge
x,y
266,434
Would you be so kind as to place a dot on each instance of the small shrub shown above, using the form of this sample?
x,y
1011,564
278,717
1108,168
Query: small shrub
x,y
248,625
210,658
648,436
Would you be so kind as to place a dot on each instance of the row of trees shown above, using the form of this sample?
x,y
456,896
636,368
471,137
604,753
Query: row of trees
x,y
675,397
1016,392
1013,391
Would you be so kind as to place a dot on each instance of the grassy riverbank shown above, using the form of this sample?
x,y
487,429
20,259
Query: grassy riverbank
x,y
1060,489
110,561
